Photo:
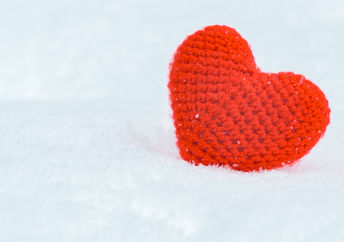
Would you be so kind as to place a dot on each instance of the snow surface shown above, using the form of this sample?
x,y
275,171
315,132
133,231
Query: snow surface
x,y
87,143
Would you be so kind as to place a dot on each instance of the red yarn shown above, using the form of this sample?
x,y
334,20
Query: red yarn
x,y
227,112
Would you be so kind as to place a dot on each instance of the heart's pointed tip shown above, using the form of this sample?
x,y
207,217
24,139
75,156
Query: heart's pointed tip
x,y
246,168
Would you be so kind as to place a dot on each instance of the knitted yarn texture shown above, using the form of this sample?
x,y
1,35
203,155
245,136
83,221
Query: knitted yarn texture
x,y
228,113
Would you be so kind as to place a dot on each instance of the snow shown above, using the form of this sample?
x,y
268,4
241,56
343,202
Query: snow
x,y
87,145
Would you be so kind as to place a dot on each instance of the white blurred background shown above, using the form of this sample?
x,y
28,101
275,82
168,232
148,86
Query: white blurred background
x,y
87,147
73,49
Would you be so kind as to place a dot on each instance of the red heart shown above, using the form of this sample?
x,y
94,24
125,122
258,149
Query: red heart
x,y
227,112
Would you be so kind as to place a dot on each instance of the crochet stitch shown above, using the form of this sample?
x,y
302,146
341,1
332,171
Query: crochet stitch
x,y
227,112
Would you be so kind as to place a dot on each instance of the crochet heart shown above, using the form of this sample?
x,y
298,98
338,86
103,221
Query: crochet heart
x,y
227,112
